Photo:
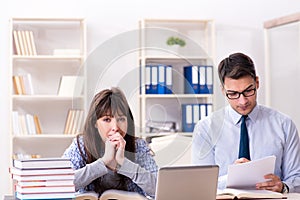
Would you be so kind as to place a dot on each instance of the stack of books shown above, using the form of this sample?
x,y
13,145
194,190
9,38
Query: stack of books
x,y
43,178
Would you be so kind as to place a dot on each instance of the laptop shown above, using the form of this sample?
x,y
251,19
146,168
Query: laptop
x,y
187,182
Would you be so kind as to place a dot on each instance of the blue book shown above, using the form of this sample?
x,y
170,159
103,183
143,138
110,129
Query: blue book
x,y
187,118
169,79
191,82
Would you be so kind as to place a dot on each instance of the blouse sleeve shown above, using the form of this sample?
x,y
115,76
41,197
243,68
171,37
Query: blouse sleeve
x,y
144,171
84,173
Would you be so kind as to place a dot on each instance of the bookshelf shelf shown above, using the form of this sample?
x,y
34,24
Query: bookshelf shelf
x,y
198,36
45,98
52,48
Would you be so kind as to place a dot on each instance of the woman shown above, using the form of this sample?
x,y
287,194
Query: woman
x,y
107,155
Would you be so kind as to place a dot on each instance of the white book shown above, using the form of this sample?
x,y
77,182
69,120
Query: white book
x,y
30,124
60,195
44,189
71,86
28,84
42,163
16,123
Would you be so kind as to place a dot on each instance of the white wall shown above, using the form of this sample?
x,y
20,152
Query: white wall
x,y
239,27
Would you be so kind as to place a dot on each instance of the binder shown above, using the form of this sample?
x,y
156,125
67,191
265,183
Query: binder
x,y
187,118
191,80
209,110
148,79
209,79
206,79
196,114
161,79
169,79
203,111
154,81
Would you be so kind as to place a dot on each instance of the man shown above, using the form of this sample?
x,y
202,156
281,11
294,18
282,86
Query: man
x,y
216,139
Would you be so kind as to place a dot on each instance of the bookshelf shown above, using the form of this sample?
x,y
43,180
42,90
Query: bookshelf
x,y
56,48
198,50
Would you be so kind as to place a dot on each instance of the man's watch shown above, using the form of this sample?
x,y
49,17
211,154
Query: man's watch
x,y
285,189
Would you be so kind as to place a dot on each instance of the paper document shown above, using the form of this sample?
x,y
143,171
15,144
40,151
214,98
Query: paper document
x,y
248,174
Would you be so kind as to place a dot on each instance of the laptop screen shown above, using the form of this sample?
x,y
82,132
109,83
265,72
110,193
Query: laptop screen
x,y
187,182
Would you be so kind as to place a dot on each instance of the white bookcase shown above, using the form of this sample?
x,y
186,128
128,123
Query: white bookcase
x,y
60,50
153,49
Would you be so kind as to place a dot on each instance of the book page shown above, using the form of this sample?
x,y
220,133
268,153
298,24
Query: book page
x,y
230,193
246,175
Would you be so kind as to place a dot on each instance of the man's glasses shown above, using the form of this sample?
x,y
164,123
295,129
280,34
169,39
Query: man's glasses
x,y
246,93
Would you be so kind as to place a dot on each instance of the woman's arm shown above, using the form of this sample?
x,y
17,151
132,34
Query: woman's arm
x,y
84,173
144,171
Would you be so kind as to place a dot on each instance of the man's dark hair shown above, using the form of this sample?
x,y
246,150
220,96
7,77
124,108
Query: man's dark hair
x,y
235,66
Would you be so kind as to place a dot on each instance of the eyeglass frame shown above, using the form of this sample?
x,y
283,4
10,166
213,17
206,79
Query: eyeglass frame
x,y
243,92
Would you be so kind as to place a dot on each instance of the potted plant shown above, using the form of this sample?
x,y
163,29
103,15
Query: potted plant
x,y
175,41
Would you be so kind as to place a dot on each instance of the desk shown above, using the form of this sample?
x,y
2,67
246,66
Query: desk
x,y
291,196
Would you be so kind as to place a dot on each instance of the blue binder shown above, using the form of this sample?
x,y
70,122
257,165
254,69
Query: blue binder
x,y
191,80
154,80
205,79
187,118
161,85
169,79
148,86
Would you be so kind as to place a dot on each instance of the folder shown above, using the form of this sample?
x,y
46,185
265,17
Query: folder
x,y
161,79
206,79
191,82
187,118
203,111
169,79
148,79
154,77
196,114
209,79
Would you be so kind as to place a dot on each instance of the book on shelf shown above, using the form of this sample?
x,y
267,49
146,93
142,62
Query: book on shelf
x,y
230,193
24,124
24,42
18,85
31,163
111,194
74,121
23,84
71,86
17,42
37,124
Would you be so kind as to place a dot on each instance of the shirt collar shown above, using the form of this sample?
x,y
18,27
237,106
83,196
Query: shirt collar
x,y
236,117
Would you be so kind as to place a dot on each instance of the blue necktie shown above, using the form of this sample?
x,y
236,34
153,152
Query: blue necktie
x,y
244,140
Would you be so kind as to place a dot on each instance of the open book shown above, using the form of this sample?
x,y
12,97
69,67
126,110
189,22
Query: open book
x,y
111,194
230,193
242,178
